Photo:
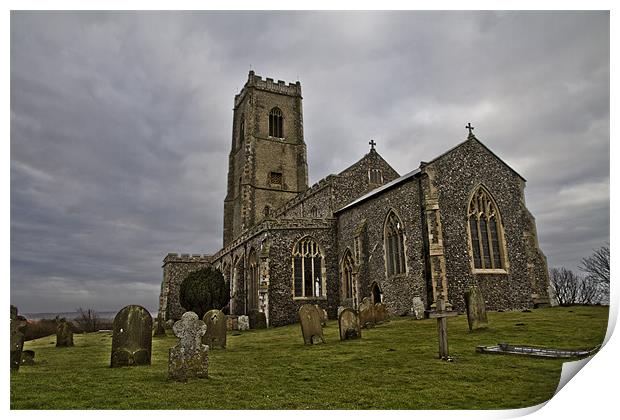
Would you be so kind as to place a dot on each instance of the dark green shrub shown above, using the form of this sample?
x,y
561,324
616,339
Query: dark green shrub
x,y
204,290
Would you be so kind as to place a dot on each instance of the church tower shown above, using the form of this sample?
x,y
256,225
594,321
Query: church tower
x,y
267,165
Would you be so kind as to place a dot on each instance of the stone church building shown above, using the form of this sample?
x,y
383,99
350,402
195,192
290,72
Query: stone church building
x,y
457,220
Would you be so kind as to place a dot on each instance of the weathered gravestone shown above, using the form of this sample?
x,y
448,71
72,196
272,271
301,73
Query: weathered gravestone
x,y
132,337
27,357
243,322
160,328
340,309
367,313
169,323
381,314
189,358
349,324
257,319
18,323
418,307
476,309
215,320
231,322
310,321
64,334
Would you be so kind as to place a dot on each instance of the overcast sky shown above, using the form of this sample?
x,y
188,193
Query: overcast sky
x,y
121,126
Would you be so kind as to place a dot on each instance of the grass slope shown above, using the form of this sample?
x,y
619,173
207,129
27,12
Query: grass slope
x,y
394,366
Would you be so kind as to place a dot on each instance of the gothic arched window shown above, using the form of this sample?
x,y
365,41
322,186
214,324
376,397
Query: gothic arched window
x,y
485,232
242,129
314,212
252,281
308,277
346,274
394,239
276,123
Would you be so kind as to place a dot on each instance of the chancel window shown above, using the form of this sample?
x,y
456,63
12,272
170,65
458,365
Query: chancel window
x,y
485,232
307,269
346,273
394,239
276,123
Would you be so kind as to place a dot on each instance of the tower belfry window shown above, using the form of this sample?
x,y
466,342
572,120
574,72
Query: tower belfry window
x,y
276,123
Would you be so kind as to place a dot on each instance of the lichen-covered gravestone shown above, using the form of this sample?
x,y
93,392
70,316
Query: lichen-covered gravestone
x,y
243,323
367,313
476,309
257,319
18,323
340,309
189,358
381,314
64,334
418,307
349,324
324,316
215,320
310,321
231,322
132,337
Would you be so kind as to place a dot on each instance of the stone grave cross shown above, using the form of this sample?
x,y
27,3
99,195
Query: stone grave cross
x,y
190,330
442,326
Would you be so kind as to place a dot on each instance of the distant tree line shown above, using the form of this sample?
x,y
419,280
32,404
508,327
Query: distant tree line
x,y
589,288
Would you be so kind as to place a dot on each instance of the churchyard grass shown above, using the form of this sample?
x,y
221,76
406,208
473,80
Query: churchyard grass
x,y
394,366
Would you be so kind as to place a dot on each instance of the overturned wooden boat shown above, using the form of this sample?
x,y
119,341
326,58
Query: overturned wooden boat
x,y
533,351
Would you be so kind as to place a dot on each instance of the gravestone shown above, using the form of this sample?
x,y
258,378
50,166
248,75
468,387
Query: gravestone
x,y
367,313
310,321
189,358
18,323
160,329
132,337
243,323
27,357
64,334
381,314
231,322
169,323
257,319
215,336
418,307
340,309
476,309
349,324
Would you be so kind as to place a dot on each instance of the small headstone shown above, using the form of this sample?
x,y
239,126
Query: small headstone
x,y
189,358
418,307
349,324
169,323
476,309
231,322
132,337
64,335
27,357
257,319
160,328
310,321
381,314
367,313
215,320
243,323
340,309
18,323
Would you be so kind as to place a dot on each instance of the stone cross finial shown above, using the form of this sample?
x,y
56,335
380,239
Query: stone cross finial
x,y
372,144
189,329
470,128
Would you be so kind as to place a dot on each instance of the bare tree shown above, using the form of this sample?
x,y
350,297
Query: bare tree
x,y
565,285
87,320
597,265
589,292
